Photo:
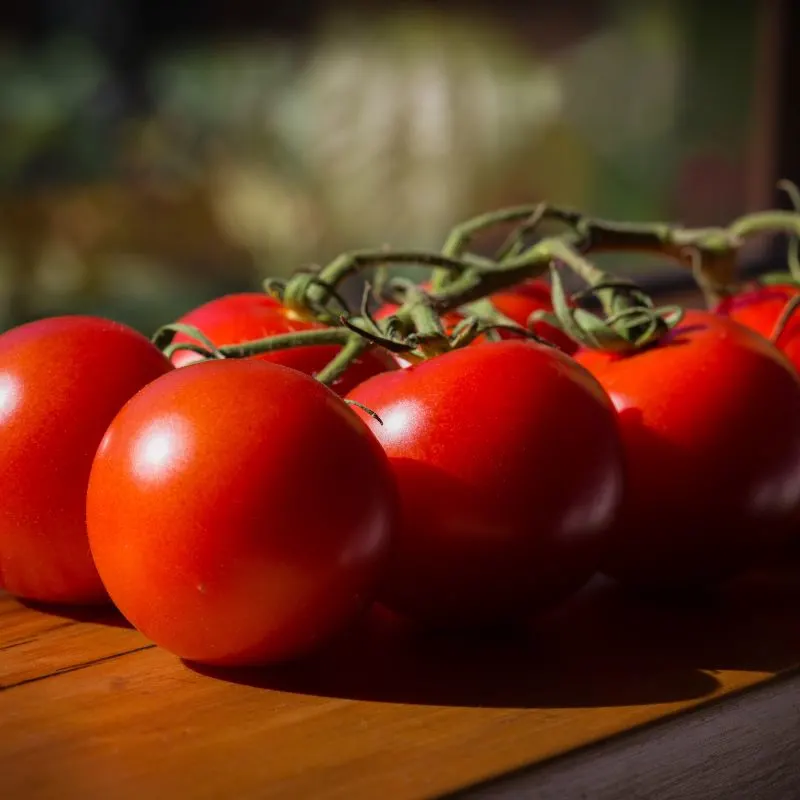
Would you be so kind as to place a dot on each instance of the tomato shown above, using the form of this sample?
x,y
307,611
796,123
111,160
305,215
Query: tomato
x,y
760,308
517,303
710,420
62,381
509,467
239,512
238,318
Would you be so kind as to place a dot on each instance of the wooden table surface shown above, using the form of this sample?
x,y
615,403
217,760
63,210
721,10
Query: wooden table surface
x,y
90,709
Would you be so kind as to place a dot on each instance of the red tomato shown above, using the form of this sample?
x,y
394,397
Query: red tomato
x,y
760,308
710,419
238,318
239,512
509,467
62,381
517,303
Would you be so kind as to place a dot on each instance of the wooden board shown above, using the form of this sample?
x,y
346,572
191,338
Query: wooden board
x,y
90,709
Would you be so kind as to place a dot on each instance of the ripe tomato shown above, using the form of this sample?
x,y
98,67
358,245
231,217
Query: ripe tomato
x,y
238,318
760,308
239,512
509,467
517,303
710,420
62,381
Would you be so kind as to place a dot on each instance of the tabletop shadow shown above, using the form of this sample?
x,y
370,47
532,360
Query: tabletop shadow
x,y
750,623
562,663
97,615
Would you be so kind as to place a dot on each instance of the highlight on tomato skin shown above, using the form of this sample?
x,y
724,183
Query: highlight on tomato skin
x,y
62,381
240,513
761,309
509,468
244,317
710,422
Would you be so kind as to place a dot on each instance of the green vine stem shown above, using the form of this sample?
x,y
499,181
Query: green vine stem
x,y
304,293
709,252
351,342
472,278
631,319
787,313
528,217
464,280
793,250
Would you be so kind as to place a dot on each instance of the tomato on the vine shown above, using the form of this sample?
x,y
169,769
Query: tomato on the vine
x,y
239,318
62,381
710,420
760,308
239,512
509,466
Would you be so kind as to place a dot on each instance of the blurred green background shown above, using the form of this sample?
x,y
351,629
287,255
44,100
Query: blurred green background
x,y
261,148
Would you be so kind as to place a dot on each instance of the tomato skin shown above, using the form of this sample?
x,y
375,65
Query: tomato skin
x,y
239,513
238,318
710,420
509,467
760,308
62,381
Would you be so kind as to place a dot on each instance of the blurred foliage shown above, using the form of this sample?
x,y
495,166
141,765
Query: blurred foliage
x,y
261,155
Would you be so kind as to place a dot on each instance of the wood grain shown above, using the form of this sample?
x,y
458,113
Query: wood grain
x,y
36,643
91,711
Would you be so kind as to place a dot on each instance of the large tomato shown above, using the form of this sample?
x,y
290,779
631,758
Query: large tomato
x,y
239,512
509,467
760,308
710,419
238,318
62,381
517,303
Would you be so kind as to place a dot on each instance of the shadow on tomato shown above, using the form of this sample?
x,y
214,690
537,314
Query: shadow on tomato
x,y
685,526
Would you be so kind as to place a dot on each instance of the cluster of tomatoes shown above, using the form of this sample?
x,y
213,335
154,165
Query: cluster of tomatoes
x,y
237,511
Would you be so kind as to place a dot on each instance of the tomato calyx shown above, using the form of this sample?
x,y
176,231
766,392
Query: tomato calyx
x,y
630,321
419,324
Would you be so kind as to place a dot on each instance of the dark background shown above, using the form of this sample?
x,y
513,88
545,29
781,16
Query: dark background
x,y
111,199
